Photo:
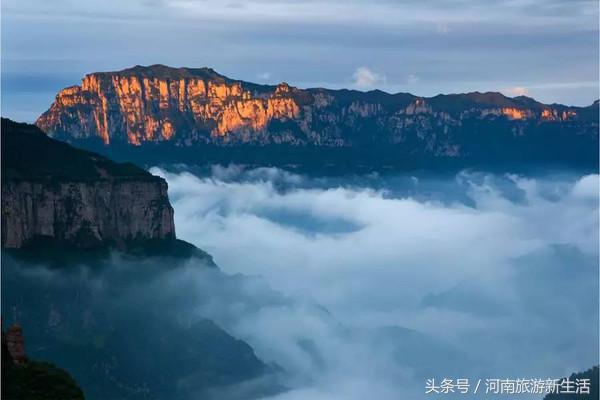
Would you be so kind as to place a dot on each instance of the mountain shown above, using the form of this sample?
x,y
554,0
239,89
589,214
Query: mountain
x,y
198,115
127,328
54,195
24,379
123,319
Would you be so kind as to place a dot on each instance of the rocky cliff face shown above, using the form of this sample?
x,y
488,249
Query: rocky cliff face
x,y
52,191
23,378
15,344
198,106
86,214
159,104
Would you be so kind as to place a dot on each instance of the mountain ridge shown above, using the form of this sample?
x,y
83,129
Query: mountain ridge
x,y
209,72
191,107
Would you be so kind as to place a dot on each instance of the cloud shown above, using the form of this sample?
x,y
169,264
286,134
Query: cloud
x,y
365,78
516,91
402,273
587,187
412,79
415,276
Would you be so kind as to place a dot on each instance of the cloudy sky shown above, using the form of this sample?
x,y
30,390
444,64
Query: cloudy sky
x,y
547,49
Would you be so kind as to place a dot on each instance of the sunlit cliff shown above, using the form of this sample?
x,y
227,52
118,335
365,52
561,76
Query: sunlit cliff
x,y
141,107
199,106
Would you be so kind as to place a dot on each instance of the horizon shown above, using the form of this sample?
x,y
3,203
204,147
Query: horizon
x,y
545,51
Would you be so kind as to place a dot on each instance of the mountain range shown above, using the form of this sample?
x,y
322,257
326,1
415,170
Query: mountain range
x,y
196,115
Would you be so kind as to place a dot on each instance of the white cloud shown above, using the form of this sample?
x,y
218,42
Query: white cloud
x,y
381,281
456,267
365,78
516,91
587,187
412,79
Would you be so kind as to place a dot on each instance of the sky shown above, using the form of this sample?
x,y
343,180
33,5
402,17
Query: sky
x,y
545,49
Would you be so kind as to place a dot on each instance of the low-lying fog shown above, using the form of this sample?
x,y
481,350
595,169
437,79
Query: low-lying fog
x,y
397,279
357,287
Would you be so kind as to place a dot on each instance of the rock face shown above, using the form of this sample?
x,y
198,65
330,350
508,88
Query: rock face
x,y
52,191
160,104
190,107
15,344
23,378
85,213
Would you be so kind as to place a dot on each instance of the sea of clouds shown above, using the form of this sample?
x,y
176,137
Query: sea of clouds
x,y
354,287
390,280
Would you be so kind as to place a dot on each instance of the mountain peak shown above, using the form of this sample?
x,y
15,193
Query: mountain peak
x,y
161,71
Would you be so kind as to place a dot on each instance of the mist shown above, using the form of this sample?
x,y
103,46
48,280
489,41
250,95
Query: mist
x,y
346,288
468,276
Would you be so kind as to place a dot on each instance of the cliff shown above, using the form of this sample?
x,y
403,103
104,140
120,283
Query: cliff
x,y
192,107
24,379
55,193
15,344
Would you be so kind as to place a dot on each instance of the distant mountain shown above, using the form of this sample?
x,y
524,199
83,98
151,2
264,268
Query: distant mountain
x,y
200,116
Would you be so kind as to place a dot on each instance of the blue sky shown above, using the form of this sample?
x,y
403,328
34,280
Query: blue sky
x,y
545,49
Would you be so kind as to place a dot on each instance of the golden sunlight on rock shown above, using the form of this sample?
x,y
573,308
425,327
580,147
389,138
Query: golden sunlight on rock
x,y
548,114
513,113
167,130
189,106
227,104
